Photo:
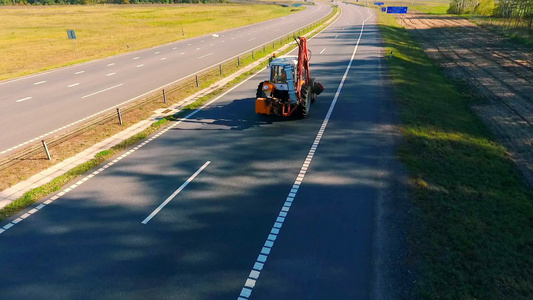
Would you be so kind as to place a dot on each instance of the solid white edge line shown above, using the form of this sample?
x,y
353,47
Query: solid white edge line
x,y
175,193
262,257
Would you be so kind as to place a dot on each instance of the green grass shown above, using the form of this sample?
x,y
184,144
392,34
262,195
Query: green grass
x,y
34,38
432,8
472,236
436,7
518,33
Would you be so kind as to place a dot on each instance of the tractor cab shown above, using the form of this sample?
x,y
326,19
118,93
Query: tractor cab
x,y
290,87
278,71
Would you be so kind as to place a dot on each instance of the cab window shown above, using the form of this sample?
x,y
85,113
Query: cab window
x,y
278,75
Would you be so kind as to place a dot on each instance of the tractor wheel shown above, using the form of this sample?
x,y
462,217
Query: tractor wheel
x,y
260,93
313,95
305,104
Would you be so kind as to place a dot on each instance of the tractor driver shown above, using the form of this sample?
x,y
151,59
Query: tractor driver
x,y
282,77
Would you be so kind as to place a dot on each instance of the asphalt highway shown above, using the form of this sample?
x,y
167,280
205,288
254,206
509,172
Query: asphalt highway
x,y
35,107
227,204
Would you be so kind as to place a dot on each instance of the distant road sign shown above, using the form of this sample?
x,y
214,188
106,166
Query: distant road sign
x,y
379,3
397,9
384,9
71,34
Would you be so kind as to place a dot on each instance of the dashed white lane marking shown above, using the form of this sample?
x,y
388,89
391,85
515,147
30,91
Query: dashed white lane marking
x,y
40,82
74,84
274,232
136,57
206,55
110,74
182,53
62,193
174,48
211,45
157,52
175,193
111,64
322,50
197,48
79,72
24,99
164,58
251,39
101,91
189,44
138,66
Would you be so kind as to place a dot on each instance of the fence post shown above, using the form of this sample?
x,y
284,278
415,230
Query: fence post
x,y
197,82
164,96
119,116
253,54
182,32
46,150
238,61
220,69
264,49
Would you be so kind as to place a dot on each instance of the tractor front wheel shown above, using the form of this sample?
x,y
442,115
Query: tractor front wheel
x,y
260,93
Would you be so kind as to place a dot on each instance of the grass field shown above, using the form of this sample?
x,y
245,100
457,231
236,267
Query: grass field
x,y
34,38
471,236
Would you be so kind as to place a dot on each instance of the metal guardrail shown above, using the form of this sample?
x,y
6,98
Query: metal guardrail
x,y
189,83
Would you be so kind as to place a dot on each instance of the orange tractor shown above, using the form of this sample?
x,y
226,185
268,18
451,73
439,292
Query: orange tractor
x,y
290,88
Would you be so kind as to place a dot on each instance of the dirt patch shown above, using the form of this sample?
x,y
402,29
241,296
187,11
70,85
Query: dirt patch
x,y
495,69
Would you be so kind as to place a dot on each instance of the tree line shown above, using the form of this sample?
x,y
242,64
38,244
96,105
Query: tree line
x,y
518,11
76,2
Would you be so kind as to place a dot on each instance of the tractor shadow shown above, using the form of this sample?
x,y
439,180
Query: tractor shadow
x,y
238,114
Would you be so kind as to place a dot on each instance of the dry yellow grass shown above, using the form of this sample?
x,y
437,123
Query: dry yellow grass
x,y
34,38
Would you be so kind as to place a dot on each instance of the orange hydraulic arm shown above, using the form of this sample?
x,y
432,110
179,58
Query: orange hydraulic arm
x,y
302,73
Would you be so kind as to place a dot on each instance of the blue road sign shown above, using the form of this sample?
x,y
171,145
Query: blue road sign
x,y
71,34
379,3
384,9
397,9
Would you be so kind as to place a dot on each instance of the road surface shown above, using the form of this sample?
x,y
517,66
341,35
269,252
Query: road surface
x,y
255,207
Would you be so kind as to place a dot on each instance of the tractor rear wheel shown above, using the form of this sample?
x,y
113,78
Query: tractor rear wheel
x,y
305,104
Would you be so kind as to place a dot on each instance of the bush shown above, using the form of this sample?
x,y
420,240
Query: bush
x,y
485,7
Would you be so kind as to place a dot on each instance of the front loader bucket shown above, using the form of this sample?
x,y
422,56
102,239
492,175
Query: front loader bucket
x,y
262,107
